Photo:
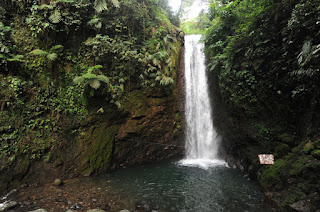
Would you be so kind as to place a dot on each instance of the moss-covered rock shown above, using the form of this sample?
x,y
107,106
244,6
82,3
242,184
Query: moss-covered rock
x,y
282,150
294,179
271,178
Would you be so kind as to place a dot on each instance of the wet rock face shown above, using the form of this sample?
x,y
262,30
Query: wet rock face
x,y
147,128
8,206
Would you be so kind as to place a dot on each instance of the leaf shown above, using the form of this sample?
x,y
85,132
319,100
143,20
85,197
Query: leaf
x,y
16,58
89,76
100,5
127,42
55,17
56,47
94,83
115,3
94,67
103,78
43,6
52,56
39,52
78,80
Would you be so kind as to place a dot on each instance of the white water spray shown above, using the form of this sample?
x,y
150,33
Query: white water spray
x,y
202,140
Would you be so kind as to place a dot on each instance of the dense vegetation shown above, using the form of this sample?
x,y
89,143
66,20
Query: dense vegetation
x,y
62,60
265,56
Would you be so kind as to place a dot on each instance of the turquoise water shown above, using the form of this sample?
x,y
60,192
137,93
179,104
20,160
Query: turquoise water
x,y
171,187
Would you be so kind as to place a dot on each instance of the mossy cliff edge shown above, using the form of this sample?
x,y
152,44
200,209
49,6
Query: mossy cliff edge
x,y
87,88
263,58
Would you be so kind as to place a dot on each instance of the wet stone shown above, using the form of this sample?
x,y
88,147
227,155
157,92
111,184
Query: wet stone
x,y
143,206
76,206
58,182
8,205
39,210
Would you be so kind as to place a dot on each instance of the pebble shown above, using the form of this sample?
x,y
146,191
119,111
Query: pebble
x,y
58,182
96,210
76,206
124,211
8,205
39,210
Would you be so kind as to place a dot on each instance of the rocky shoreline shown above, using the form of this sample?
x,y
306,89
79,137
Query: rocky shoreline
x,y
70,195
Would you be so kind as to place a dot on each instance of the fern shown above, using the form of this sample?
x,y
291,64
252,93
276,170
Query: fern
x,y
101,5
93,80
56,47
94,83
16,58
166,80
94,68
103,78
43,6
89,76
78,80
95,22
55,17
52,56
39,52
115,3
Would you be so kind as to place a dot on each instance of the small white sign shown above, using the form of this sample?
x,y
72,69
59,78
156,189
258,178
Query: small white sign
x,y
267,159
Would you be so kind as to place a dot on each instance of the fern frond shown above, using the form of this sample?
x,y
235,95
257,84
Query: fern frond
x,y
166,80
56,47
94,67
78,80
95,22
89,76
100,5
39,52
52,56
94,83
16,58
103,78
55,17
43,6
115,3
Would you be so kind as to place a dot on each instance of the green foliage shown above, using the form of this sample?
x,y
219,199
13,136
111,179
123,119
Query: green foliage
x,y
196,26
266,56
92,79
271,178
39,102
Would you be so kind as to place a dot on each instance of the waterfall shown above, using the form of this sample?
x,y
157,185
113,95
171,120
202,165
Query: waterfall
x,y
202,140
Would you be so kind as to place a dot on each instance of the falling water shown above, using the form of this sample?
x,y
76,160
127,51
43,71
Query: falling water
x,y
202,140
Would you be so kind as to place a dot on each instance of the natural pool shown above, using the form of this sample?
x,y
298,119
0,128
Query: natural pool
x,y
172,187
167,187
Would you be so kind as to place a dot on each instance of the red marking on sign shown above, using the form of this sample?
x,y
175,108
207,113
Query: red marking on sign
x,y
267,159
